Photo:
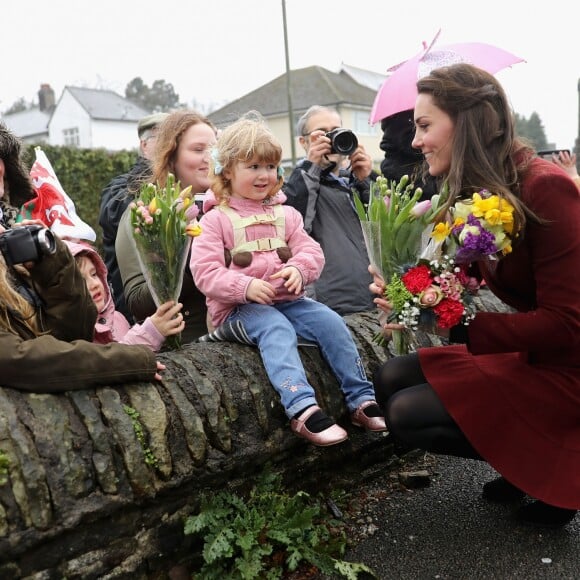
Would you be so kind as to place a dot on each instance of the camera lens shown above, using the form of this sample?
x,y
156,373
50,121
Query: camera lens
x,y
343,141
46,241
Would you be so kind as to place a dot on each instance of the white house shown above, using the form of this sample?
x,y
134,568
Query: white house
x,y
86,118
92,118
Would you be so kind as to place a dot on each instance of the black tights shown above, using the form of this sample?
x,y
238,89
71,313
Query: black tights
x,y
413,411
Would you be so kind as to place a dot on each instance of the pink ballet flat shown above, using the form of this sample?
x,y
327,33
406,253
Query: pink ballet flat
x,y
331,436
359,419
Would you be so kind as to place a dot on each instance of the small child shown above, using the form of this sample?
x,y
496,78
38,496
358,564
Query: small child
x,y
111,325
259,281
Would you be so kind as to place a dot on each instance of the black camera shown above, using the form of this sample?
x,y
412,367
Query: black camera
x,y
342,141
26,244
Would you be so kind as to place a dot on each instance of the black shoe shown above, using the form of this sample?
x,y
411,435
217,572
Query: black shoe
x,y
501,490
543,515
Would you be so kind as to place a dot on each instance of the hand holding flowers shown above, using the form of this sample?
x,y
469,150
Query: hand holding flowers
x,y
435,290
163,220
395,225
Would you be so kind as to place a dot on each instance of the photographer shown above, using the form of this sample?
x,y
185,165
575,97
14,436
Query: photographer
x,y
320,188
47,316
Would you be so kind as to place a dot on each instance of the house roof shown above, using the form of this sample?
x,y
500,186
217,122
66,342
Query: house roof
x,y
30,123
368,78
313,85
106,105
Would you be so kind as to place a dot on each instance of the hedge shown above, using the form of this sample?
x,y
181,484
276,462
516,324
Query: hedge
x,y
83,173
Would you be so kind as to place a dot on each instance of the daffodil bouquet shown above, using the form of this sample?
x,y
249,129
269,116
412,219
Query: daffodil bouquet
x,y
396,227
482,227
163,220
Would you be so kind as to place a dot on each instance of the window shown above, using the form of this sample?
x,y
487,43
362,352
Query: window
x,y
71,137
361,126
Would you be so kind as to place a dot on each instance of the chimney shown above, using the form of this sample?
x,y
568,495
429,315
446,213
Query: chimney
x,y
46,97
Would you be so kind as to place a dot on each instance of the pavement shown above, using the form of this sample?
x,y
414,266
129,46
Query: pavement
x,y
446,530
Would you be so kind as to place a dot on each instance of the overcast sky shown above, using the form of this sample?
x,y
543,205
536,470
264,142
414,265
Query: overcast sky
x,y
218,50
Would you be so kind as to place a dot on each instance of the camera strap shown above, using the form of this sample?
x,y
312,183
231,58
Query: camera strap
x,y
26,291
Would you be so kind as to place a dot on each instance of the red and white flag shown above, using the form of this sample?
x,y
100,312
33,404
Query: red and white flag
x,y
52,205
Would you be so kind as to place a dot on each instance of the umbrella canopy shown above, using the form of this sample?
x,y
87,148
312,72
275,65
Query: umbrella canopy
x,y
399,91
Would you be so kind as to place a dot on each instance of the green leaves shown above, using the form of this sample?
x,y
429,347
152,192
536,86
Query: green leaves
x,y
267,534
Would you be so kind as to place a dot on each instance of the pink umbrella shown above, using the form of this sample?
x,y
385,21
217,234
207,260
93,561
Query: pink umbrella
x,y
399,91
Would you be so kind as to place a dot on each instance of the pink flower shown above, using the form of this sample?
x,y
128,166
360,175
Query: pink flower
x,y
421,208
431,296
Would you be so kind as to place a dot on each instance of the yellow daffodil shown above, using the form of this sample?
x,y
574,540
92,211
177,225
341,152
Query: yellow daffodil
x,y
440,231
193,229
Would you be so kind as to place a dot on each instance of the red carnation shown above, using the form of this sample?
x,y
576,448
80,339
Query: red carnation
x,y
449,313
417,279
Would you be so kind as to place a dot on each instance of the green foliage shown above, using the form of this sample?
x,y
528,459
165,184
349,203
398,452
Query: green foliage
x,y
83,173
159,97
18,106
532,129
4,465
267,534
150,458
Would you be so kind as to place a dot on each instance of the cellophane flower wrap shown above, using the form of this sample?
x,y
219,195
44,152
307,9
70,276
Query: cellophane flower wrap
x,y
163,220
396,227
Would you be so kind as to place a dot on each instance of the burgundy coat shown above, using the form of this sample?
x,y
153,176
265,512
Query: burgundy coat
x,y
515,390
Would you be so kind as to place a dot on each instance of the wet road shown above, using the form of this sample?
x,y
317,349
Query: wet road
x,y
447,531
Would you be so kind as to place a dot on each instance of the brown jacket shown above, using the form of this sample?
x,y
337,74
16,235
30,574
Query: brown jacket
x,y
65,358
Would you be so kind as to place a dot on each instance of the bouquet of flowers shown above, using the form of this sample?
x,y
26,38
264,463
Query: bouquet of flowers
x,y
435,293
396,227
482,226
164,219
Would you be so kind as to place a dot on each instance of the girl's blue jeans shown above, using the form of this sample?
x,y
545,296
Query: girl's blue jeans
x,y
274,329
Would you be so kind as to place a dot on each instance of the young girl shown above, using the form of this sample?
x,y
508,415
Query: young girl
x,y
111,325
47,317
260,277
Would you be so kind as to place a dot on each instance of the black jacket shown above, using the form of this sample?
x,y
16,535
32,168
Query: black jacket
x,y
115,198
330,217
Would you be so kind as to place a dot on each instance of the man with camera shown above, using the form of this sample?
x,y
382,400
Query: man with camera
x,y
320,188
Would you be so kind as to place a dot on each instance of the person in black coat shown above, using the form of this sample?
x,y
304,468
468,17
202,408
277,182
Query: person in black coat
x,y
400,158
115,198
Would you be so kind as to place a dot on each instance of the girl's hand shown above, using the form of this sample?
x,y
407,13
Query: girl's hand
x,y
168,319
293,278
260,291
160,367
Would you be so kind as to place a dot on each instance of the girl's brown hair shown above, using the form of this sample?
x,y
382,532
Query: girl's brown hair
x,y
243,140
13,305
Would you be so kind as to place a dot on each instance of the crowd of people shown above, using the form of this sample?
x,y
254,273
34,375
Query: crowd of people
x,y
286,260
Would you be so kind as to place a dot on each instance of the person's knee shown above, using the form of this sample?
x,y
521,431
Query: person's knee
x,y
397,416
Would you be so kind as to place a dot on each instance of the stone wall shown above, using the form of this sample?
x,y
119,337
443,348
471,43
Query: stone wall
x,y
85,498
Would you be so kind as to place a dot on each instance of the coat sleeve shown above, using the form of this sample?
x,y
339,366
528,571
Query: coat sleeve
x,y
307,255
137,295
553,250
302,190
45,364
208,267
68,311
145,334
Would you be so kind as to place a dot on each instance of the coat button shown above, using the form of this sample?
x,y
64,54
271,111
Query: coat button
x,y
102,321
186,313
